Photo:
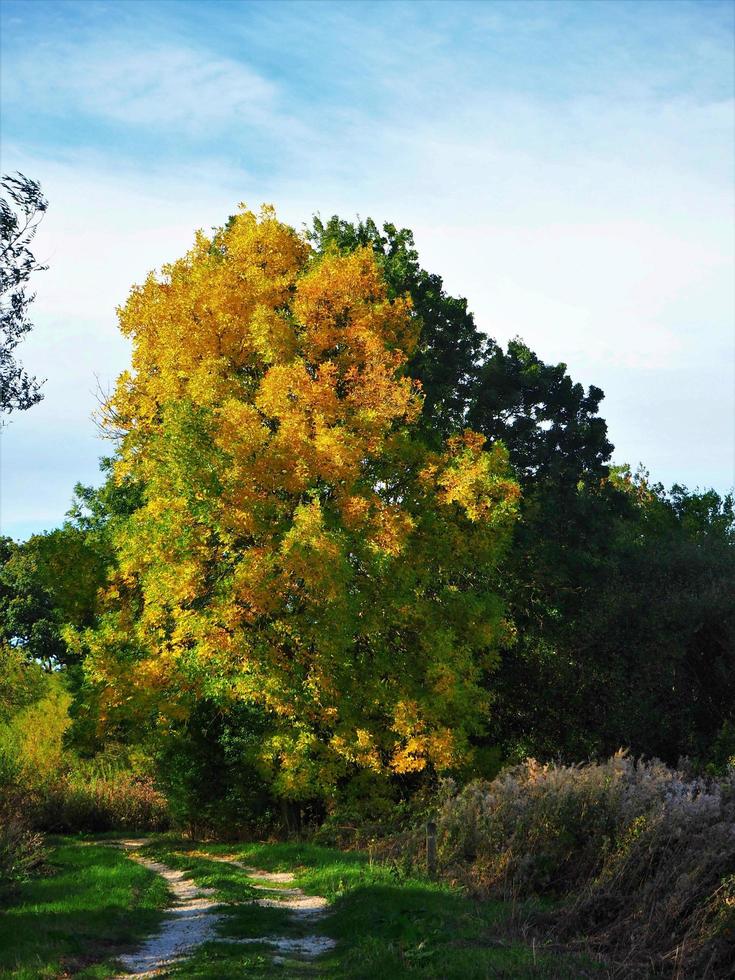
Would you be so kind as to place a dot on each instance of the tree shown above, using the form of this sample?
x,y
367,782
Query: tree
x,y
629,637
301,547
549,424
21,210
48,582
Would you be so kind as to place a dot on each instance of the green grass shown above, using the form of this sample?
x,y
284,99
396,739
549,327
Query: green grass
x,y
386,924
92,904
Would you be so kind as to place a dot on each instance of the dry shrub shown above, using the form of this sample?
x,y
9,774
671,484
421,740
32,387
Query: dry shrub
x,y
643,855
21,852
119,801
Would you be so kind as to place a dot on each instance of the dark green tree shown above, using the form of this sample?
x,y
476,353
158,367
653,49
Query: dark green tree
x,y
47,582
206,765
621,594
549,424
627,639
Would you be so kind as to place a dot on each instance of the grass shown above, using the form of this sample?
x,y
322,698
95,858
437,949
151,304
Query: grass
x,y
90,905
97,903
386,923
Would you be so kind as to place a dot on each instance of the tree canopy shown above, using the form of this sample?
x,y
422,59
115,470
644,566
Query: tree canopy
x,y
301,546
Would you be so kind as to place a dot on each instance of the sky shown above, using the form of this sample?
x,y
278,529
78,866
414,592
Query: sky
x,y
567,167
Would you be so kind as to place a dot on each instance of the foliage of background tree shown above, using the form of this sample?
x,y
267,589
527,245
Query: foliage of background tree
x,y
21,208
637,645
548,423
621,599
47,583
209,767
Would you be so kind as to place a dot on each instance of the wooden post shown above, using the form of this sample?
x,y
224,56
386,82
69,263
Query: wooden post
x,y
431,848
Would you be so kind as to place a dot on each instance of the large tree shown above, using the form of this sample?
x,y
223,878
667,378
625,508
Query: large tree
x,y
21,208
301,547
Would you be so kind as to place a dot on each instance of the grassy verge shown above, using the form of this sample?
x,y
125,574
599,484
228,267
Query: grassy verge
x,y
91,905
386,924
96,904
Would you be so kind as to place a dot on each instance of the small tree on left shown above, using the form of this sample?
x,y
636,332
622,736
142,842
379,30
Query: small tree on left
x,y
21,208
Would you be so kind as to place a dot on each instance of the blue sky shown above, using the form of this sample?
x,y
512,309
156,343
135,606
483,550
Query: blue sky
x,y
568,167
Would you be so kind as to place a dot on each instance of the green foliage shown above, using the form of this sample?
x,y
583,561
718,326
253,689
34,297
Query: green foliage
x,y
47,582
722,755
207,766
549,423
630,624
23,687
21,682
97,510
50,583
43,783
32,739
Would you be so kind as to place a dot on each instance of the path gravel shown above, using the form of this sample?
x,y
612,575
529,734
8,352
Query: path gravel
x,y
194,917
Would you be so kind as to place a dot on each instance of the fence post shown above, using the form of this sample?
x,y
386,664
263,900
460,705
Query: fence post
x,y
431,848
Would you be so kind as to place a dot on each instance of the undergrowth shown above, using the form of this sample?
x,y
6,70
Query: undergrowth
x,y
643,857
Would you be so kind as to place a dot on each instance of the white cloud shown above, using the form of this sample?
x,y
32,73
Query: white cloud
x,y
162,85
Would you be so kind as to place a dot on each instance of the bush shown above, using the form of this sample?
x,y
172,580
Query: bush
x,y
643,855
45,782
207,768
21,849
79,801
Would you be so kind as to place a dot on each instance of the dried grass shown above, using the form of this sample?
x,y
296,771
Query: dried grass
x,y
642,856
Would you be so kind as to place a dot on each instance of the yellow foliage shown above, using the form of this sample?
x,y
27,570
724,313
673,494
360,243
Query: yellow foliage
x,y
34,736
299,544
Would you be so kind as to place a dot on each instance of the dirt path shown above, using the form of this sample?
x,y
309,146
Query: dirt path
x,y
190,922
193,920
303,908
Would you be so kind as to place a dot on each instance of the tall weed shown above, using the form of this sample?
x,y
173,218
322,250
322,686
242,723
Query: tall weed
x,y
80,801
642,855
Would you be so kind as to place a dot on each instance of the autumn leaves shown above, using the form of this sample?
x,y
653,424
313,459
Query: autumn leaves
x,y
300,546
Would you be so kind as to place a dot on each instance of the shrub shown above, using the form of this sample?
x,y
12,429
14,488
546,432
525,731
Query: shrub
x,y
21,851
207,768
80,801
643,856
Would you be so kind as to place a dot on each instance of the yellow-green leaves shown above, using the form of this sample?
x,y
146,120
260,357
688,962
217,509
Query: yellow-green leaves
x,y
299,544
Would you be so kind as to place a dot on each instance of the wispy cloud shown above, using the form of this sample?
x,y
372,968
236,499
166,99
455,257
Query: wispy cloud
x,y
143,84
